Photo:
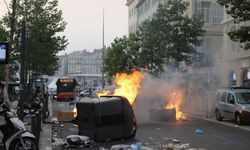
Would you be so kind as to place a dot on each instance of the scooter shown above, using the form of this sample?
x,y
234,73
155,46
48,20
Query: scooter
x,y
16,136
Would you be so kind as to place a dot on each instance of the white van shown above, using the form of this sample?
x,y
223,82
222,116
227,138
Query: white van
x,y
233,103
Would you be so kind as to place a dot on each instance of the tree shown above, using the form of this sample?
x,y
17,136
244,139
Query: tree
x,y
44,21
170,37
240,11
122,56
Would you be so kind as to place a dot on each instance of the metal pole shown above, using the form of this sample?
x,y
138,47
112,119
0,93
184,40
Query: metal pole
x,y
103,48
23,70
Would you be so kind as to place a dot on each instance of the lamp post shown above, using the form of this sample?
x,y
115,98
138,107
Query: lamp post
x,y
103,49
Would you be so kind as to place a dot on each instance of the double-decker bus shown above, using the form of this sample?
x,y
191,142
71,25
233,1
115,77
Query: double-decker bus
x,y
66,88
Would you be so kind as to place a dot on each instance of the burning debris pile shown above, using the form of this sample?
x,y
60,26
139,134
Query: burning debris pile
x,y
162,99
174,101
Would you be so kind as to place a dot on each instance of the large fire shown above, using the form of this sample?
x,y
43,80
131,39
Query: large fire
x,y
175,99
128,85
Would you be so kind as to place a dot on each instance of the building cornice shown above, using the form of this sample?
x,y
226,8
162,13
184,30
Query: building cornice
x,y
129,2
238,55
140,2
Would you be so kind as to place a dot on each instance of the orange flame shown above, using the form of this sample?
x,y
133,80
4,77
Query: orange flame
x,y
74,112
175,101
103,93
128,85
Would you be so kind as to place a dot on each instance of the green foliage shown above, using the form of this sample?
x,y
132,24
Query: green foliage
x,y
44,21
170,37
3,33
122,56
240,11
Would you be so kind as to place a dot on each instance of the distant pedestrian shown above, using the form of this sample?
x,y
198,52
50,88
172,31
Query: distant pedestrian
x,y
90,92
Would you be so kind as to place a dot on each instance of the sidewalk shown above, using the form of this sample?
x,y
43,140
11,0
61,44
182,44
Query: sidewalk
x,y
45,137
46,132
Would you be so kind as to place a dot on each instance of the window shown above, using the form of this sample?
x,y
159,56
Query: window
x,y
217,14
232,79
223,97
246,79
135,10
147,5
140,10
205,10
230,98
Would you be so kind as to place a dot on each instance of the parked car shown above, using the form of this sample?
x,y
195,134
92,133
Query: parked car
x,y
233,103
84,93
105,118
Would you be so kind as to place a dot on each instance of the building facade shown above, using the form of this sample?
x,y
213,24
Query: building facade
x,y
84,65
236,60
207,73
212,12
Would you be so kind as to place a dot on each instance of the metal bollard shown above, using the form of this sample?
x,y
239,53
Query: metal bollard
x,y
45,109
36,124
39,121
34,128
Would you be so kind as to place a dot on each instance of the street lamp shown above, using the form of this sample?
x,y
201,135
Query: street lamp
x,y
103,49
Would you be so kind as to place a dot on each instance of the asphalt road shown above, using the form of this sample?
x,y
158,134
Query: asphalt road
x,y
212,136
199,133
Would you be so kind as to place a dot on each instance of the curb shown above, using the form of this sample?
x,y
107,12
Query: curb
x,y
226,123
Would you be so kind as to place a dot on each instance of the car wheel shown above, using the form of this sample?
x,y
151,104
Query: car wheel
x,y
238,119
218,115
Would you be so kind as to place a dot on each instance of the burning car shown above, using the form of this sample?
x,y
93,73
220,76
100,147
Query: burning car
x,y
107,117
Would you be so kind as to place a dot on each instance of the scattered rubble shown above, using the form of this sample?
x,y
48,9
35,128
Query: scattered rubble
x,y
176,141
54,120
151,144
199,132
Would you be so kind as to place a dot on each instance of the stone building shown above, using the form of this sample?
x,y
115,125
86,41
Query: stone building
x,y
236,60
84,65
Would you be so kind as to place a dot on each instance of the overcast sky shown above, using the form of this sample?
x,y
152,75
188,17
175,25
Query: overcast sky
x,y
85,22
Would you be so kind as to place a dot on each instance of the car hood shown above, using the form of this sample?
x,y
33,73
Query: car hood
x,y
246,107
